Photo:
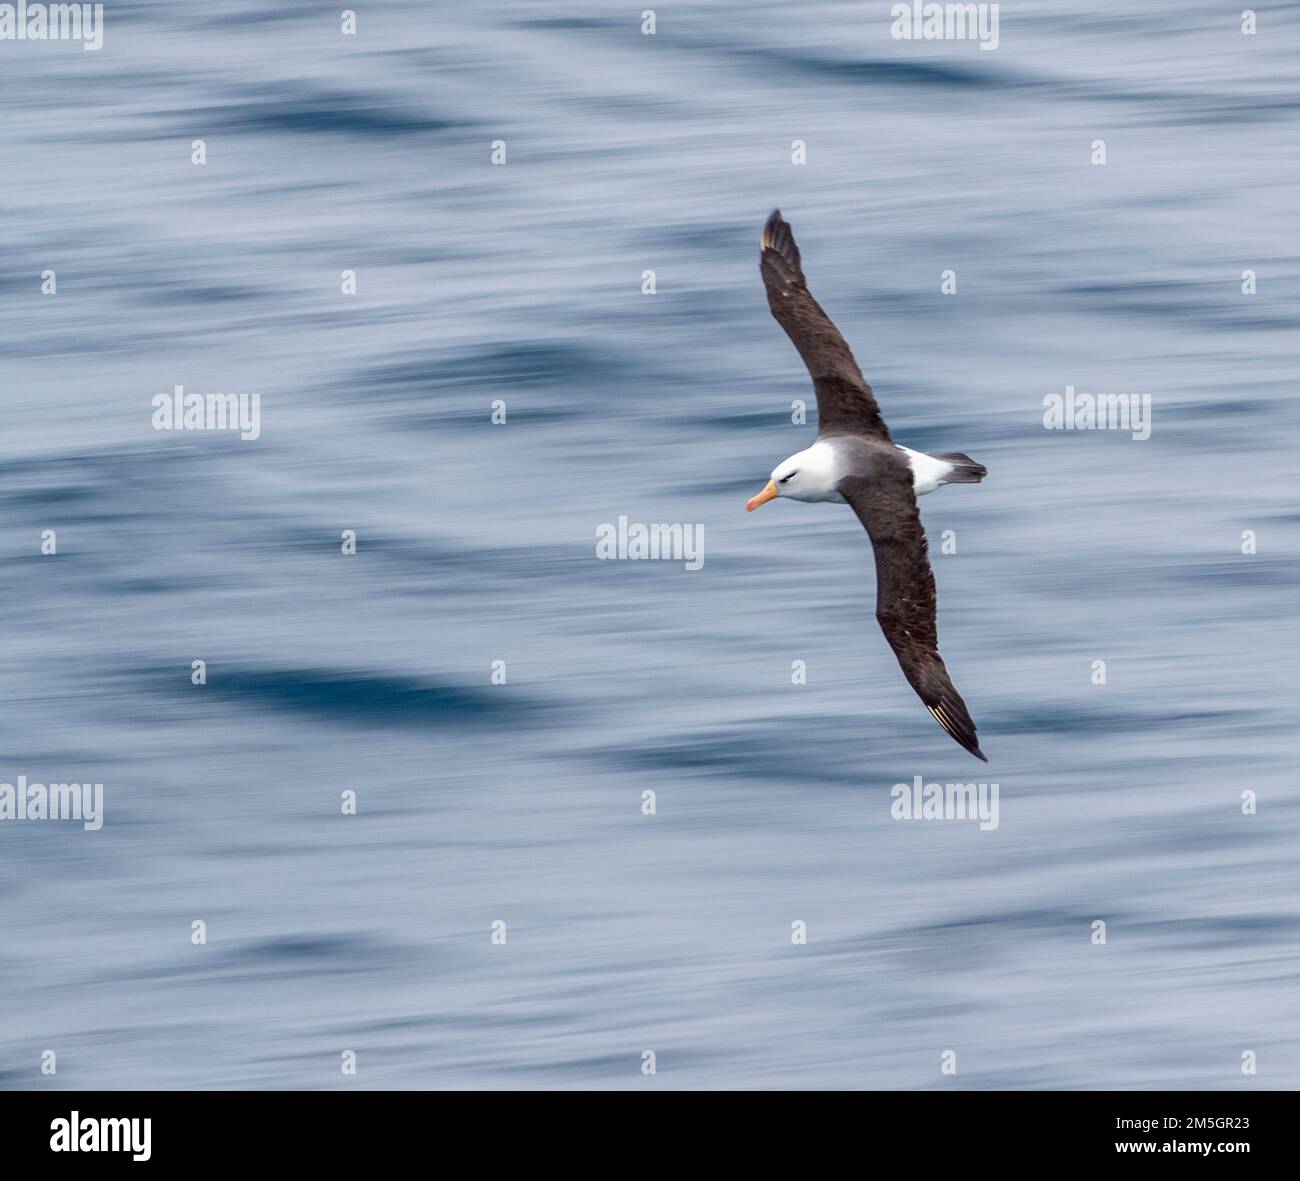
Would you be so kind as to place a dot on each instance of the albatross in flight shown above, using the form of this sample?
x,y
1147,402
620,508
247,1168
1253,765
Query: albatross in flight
x,y
854,461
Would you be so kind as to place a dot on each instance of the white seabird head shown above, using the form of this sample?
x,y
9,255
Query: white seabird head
x,y
807,475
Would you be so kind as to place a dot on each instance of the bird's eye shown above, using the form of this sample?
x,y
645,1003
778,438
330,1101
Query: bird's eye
x,y
787,479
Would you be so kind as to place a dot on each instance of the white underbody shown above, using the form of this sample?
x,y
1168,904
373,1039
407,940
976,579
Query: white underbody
x,y
813,474
927,472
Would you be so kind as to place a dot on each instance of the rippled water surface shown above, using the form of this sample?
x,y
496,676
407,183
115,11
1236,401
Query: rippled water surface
x,y
522,802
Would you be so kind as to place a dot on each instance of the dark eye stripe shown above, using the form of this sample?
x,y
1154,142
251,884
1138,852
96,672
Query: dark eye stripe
x,y
791,476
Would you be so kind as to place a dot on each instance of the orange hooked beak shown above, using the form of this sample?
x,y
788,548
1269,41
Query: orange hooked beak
x,y
768,493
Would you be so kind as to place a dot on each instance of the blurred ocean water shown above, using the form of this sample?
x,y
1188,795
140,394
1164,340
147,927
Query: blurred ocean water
x,y
522,802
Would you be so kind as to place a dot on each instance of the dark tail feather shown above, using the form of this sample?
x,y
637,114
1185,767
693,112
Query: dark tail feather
x,y
965,469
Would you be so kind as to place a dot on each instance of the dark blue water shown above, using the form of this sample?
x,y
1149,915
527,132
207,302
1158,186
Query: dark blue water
x,y
522,802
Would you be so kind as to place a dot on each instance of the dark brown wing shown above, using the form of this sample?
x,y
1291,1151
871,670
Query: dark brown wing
x,y
905,609
844,400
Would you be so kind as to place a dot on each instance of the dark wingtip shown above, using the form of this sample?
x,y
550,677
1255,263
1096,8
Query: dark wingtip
x,y
778,237
956,723
768,238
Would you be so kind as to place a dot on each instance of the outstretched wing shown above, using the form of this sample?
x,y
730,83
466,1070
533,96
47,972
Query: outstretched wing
x,y
844,400
905,607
